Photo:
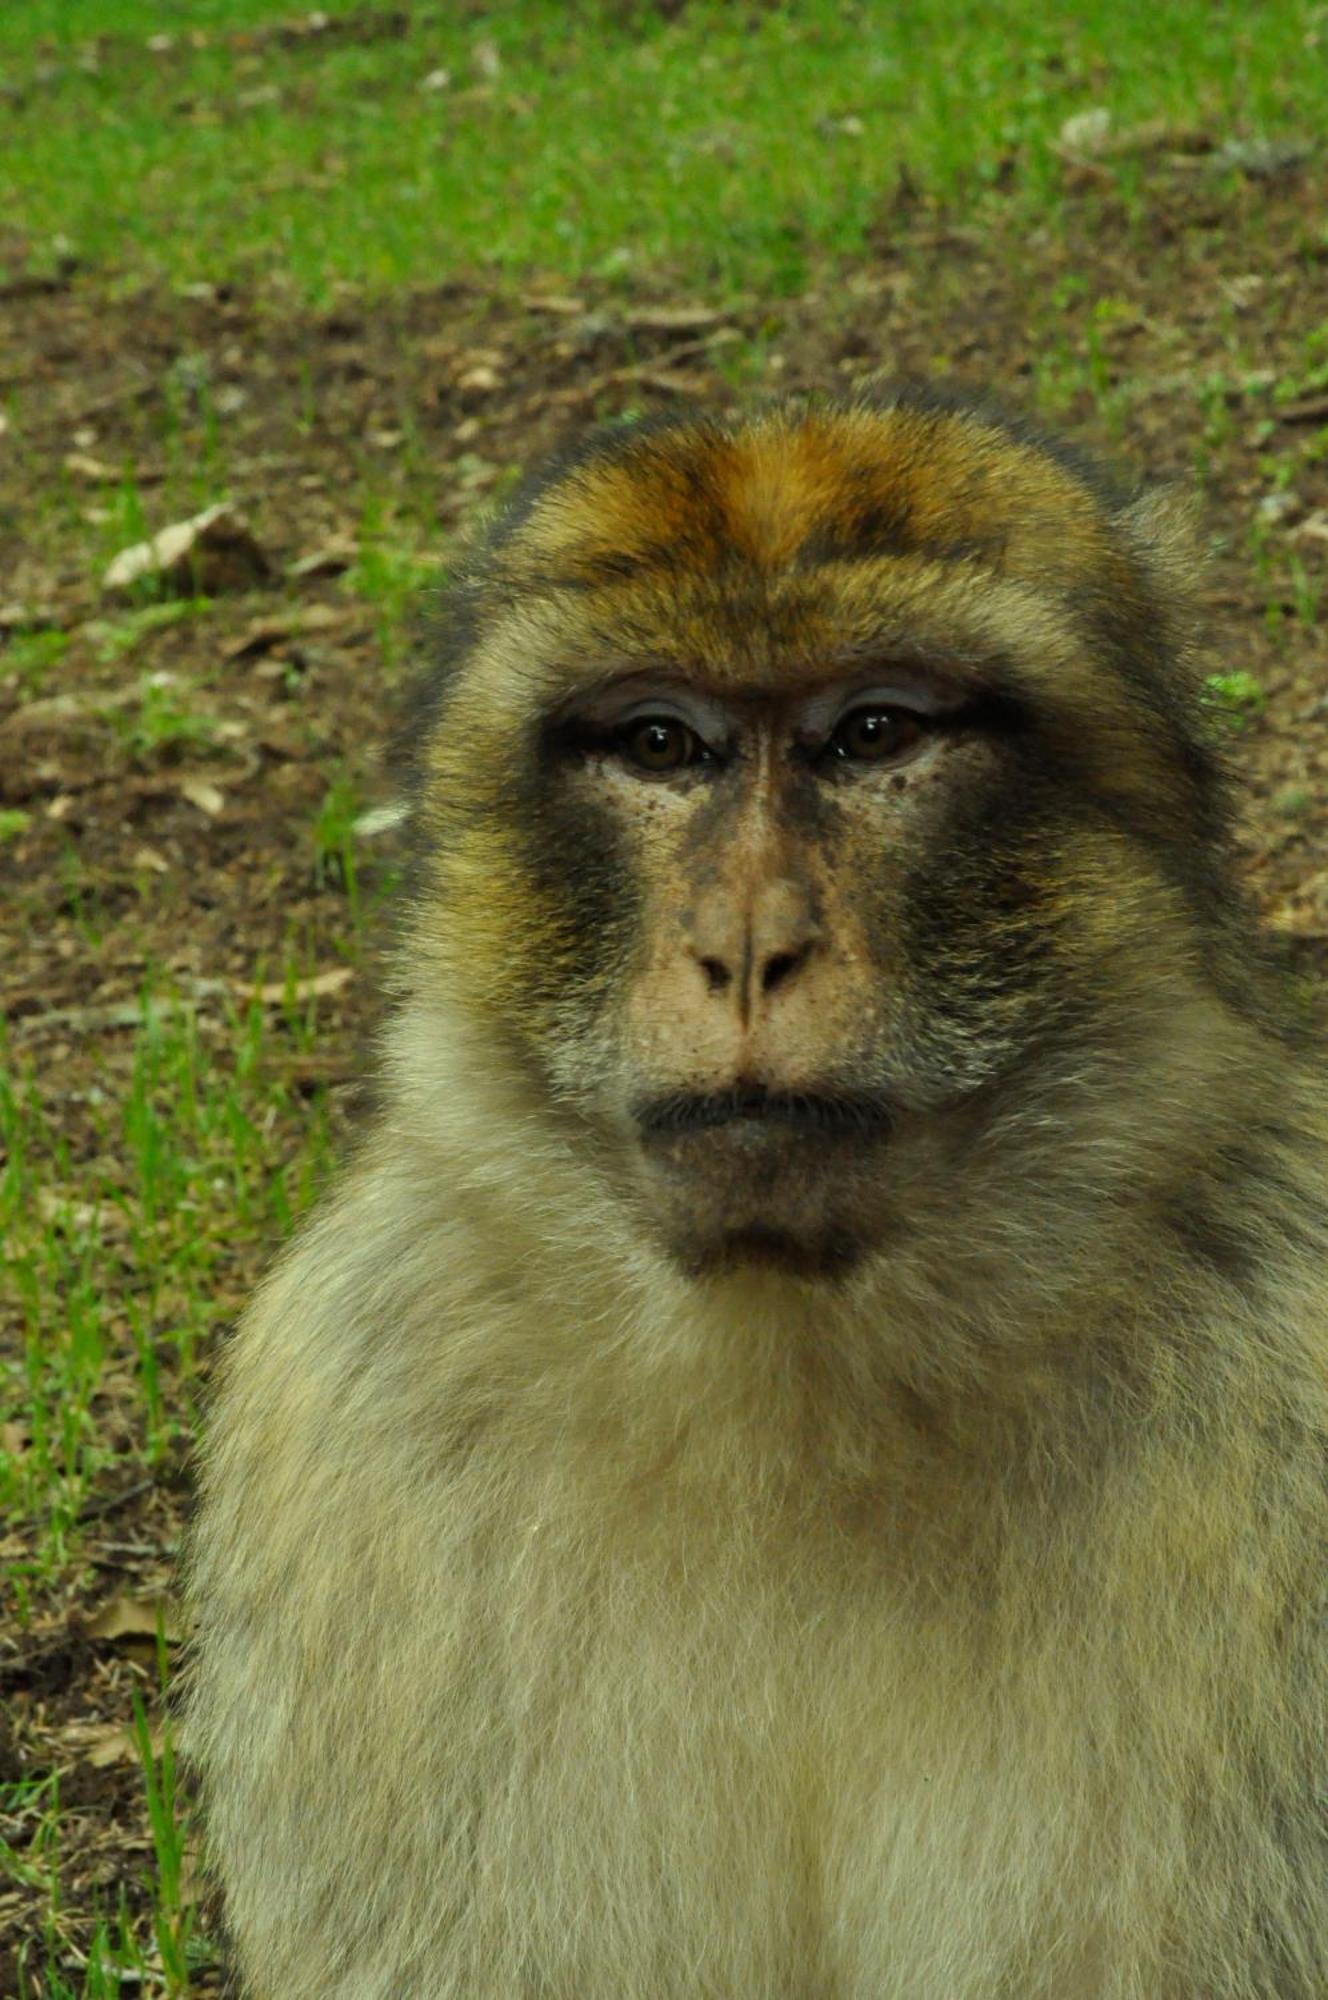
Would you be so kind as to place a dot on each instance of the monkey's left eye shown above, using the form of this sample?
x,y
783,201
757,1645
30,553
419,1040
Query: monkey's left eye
x,y
660,744
875,735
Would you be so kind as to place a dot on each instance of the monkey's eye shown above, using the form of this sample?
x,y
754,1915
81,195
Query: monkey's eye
x,y
875,735
660,744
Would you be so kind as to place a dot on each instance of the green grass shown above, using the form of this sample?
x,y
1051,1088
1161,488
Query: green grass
x,y
118,1957
1236,699
32,655
732,144
126,1210
196,1161
392,574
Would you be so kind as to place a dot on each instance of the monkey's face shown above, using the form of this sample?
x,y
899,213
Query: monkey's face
x,y
760,1041
796,799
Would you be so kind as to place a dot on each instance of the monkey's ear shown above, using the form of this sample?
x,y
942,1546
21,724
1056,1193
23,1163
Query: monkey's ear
x,y
1162,523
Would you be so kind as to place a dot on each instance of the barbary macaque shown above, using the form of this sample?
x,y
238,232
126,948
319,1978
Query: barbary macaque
x,y
792,1466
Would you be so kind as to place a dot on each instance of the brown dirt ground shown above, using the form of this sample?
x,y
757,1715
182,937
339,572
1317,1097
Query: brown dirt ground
x,y
430,401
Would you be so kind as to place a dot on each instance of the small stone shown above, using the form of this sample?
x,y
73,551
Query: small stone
x,y
1087,132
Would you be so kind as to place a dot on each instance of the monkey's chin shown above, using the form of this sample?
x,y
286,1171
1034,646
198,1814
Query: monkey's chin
x,y
762,1247
757,1195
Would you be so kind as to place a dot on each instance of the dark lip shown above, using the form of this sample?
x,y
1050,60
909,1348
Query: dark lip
x,y
822,1114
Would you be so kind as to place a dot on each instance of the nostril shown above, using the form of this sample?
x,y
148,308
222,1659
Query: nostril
x,y
779,967
717,974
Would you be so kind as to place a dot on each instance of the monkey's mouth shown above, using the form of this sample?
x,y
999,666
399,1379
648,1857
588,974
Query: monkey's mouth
x,y
811,1114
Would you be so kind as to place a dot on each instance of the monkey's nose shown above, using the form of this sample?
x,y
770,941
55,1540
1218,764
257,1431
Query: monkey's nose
x,y
772,972
750,954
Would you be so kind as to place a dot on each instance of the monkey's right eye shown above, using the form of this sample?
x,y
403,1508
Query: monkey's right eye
x,y
660,744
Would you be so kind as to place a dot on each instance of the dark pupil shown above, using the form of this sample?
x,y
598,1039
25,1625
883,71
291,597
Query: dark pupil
x,y
875,732
659,745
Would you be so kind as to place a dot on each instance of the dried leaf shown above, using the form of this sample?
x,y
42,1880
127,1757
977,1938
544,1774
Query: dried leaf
x,y
266,633
208,798
22,618
1309,410
1262,159
318,986
480,381
335,555
83,466
487,59
674,319
52,1206
214,551
673,381
381,819
135,1618
104,1744
561,304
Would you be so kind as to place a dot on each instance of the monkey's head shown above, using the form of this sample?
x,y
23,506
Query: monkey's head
x,y
804,793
